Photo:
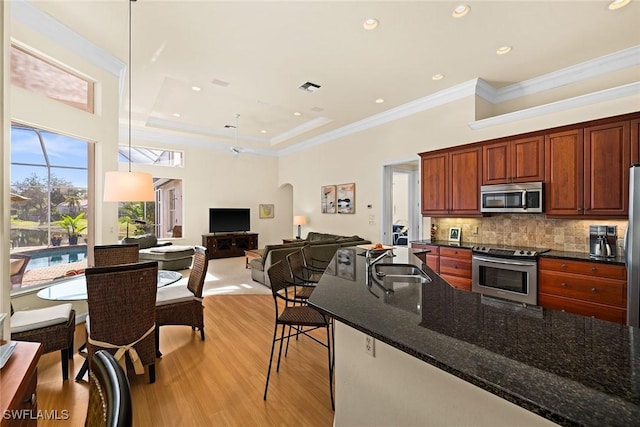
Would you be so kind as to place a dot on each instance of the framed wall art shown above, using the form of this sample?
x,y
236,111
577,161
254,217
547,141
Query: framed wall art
x,y
328,199
454,234
266,210
346,202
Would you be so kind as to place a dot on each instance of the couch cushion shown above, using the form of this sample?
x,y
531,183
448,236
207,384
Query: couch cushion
x,y
28,320
166,253
312,236
144,240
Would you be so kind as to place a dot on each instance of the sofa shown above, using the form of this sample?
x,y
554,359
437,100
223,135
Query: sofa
x,y
322,247
169,256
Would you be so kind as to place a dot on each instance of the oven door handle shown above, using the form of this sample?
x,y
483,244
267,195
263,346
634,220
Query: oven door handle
x,y
509,262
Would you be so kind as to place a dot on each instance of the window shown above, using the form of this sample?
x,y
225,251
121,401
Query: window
x,y
37,75
150,156
49,188
160,217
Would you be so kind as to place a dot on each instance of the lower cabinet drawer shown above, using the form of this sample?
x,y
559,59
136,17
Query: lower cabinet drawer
x,y
458,282
570,305
434,263
586,288
588,268
455,267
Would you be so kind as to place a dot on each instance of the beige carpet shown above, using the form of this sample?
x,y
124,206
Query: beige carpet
x,y
228,276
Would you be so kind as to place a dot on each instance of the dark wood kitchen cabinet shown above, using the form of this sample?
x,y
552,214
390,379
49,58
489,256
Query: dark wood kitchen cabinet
x,y
450,182
433,257
582,287
455,267
587,171
512,161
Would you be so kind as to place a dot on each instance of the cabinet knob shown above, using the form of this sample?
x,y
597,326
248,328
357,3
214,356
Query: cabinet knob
x,y
563,266
594,290
593,269
563,285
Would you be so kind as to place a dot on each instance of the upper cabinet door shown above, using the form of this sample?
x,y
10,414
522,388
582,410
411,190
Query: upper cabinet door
x,y
564,171
434,175
519,160
607,156
527,159
466,175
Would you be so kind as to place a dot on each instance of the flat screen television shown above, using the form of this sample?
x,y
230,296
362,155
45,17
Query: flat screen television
x,y
229,220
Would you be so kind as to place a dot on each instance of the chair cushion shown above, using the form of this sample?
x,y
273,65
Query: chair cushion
x,y
28,320
173,294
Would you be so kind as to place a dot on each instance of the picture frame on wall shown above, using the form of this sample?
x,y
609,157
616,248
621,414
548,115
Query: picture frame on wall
x,y
346,202
266,210
454,234
328,199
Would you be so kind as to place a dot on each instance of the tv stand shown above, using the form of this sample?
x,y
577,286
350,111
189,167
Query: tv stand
x,y
228,245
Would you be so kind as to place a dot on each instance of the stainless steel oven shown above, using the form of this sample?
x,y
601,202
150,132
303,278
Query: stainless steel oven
x,y
506,272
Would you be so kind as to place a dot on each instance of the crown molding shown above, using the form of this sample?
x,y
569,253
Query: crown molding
x,y
305,127
563,105
32,17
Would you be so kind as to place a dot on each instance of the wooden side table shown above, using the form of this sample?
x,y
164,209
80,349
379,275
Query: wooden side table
x,y
18,390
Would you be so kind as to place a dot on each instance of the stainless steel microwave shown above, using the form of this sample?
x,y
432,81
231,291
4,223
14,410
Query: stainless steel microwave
x,y
514,198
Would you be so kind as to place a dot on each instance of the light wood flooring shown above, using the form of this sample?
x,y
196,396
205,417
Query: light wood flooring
x,y
218,382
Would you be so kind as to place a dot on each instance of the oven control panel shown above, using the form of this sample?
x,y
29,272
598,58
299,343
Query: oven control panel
x,y
506,252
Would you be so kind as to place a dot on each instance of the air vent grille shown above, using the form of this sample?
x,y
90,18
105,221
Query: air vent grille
x,y
309,87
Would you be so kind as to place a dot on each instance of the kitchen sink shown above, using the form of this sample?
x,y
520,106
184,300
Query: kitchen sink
x,y
400,272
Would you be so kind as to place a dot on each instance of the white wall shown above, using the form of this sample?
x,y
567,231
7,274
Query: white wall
x,y
396,389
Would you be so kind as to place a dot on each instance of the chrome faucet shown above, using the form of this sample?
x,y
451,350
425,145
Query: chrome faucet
x,y
369,261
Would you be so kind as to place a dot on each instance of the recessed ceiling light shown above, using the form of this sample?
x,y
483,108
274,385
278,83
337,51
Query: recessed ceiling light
x,y
617,4
196,88
460,11
297,114
379,101
504,49
370,24
437,77
263,131
176,114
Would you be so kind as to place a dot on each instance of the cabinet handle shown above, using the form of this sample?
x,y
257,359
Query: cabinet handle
x,y
563,285
31,399
594,290
593,269
563,266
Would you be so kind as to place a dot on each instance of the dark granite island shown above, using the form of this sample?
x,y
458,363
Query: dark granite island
x,y
486,363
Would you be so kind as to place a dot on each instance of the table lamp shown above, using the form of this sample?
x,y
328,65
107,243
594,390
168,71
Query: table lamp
x,y
299,220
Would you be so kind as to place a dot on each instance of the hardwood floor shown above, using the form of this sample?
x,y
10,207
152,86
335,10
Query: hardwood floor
x,y
216,382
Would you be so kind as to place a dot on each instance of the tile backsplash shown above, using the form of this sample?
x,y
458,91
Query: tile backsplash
x,y
530,230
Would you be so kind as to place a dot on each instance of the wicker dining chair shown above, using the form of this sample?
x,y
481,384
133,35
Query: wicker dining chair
x,y
298,319
122,308
182,304
108,255
109,393
302,277
18,268
52,326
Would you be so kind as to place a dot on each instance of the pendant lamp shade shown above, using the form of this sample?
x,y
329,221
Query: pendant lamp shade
x,y
128,187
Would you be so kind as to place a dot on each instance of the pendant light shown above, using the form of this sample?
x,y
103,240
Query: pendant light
x,y
128,186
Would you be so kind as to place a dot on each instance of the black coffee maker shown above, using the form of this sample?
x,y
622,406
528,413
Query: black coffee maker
x,y
603,241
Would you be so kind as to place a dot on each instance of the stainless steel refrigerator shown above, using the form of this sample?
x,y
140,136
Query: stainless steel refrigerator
x,y
632,248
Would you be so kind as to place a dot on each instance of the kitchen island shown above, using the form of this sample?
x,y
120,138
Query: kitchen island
x,y
448,357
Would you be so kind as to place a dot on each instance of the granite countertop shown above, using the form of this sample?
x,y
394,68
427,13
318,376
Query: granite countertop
x,y
582,256
571,369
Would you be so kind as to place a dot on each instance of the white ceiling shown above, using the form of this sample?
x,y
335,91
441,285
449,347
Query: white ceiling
x,y
265,49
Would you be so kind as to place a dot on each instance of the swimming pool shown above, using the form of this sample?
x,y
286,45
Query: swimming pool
x,y
55,256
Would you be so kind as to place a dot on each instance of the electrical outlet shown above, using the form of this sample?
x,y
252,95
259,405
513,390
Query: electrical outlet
x,y
370,345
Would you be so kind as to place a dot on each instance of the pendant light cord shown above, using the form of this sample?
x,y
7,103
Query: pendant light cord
x,y
130,66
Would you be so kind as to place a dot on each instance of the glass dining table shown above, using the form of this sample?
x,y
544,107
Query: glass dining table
x,y
75,287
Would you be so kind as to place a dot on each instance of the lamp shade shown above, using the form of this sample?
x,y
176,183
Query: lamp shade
x,y
299,220
128,187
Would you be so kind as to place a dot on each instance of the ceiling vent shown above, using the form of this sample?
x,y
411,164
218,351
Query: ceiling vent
x,y
219,82
229,127
309,87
